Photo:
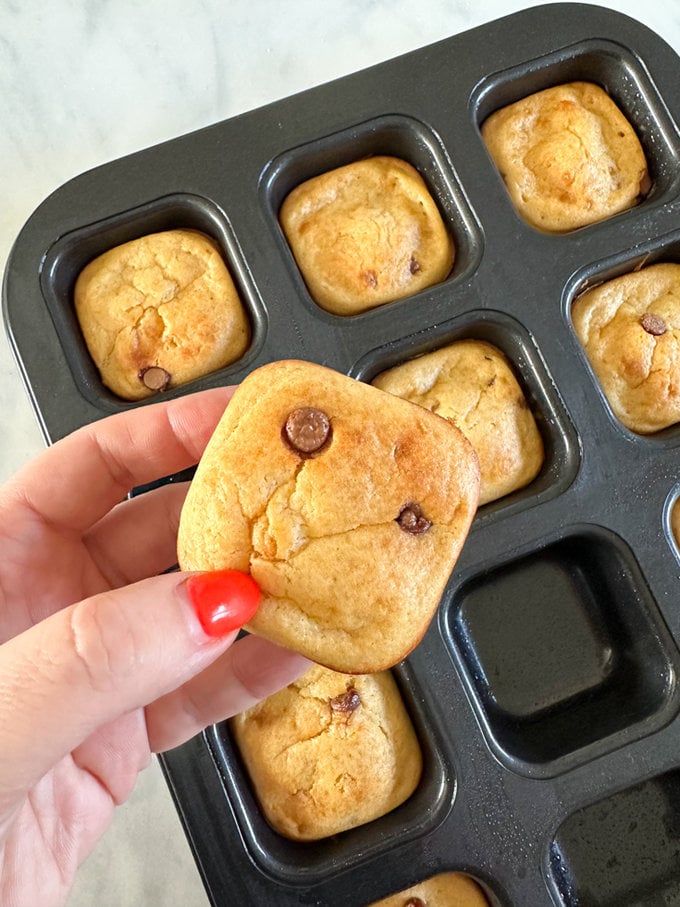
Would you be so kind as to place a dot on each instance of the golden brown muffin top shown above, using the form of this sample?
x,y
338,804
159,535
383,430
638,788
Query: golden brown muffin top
x,y
675,522
159,311
568,156
366,234
352,543
449,889
630,330
471,383
330,752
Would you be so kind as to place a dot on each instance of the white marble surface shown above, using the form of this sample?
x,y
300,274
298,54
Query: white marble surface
x,y
82,83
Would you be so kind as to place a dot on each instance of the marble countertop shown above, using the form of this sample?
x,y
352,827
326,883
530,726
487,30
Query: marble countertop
x,y
83,83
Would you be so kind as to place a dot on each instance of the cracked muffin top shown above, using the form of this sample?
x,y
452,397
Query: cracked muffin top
x,y
347,505
630,330
568,156
366,234
330,752
160,311
471,383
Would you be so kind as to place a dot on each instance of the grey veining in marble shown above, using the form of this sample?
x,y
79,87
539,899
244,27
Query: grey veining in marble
x,y
82,83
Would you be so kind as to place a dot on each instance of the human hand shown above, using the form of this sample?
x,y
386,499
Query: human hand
x,y
102,660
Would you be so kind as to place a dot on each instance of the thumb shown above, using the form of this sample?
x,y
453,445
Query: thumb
x,y
107,655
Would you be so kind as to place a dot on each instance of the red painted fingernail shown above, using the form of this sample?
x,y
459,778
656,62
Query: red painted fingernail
x,y
223,600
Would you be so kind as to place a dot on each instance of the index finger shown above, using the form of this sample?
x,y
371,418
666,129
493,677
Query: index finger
x,y
80,478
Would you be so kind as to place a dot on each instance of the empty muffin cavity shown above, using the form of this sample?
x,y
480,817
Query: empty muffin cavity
x,y
622,849
565,652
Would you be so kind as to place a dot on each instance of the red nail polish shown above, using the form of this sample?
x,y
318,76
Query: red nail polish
x,y
223,600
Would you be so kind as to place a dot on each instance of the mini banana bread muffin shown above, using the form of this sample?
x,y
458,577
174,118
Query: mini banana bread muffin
x,y
630,330
160,311
568,156
330,752
450,889
471,383
675,522
366,234
348,507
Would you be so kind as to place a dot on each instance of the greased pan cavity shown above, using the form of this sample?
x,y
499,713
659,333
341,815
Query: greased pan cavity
x,y
545,694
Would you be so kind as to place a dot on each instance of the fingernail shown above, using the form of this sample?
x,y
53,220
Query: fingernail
x,y
223,600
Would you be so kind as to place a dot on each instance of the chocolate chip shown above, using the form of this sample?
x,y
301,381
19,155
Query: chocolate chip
x,y
154,377
346,702
414,266
307,430
415,902
411,519
653,324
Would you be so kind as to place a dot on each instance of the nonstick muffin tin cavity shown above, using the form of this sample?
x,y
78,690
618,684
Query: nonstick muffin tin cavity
x,y
545,693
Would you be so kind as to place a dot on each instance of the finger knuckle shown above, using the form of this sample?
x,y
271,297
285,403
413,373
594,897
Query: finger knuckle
x,y
104,643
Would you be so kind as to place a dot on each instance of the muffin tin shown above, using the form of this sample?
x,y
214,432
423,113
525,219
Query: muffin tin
x,y
545,693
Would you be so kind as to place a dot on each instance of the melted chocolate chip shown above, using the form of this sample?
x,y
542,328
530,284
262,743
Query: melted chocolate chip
x,y
411,519
413,266
346,702
415,902
653,324
154,377
307,430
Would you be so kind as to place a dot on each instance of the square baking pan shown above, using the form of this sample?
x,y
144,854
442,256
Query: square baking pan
x,y
545,692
